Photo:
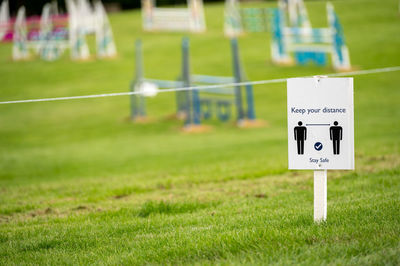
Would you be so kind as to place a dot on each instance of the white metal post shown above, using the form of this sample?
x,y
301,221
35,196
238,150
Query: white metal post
x,y
320,195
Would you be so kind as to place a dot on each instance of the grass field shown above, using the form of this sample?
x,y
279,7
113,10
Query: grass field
x,y
79,184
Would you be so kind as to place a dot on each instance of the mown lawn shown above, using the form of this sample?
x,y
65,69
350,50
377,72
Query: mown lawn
x,y
80,184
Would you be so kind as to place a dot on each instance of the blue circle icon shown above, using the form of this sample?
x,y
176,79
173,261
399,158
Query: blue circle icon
x,y
318,146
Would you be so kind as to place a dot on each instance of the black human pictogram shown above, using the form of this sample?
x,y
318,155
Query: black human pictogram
x,y
336,134
300,135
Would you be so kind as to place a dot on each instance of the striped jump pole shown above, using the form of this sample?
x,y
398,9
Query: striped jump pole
x,y
138,104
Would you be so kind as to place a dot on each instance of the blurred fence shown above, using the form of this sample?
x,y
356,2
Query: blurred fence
x,y
34,7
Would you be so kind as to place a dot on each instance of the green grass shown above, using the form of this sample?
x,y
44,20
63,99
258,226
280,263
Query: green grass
x,y
81,185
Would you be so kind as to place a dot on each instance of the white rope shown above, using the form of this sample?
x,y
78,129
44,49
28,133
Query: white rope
x,y
352,73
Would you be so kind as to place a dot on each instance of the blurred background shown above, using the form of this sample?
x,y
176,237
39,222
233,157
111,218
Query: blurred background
x,y
81,183
34,7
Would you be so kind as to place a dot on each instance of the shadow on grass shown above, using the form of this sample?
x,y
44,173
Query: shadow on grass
x,y
164,207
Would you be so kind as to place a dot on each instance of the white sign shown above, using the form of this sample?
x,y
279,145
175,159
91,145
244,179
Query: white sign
x,y
320,123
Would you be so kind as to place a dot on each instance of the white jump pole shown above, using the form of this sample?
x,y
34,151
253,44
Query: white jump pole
x,y
320,195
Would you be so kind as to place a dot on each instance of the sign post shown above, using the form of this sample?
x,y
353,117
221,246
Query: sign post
x,y
320,130
320,195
